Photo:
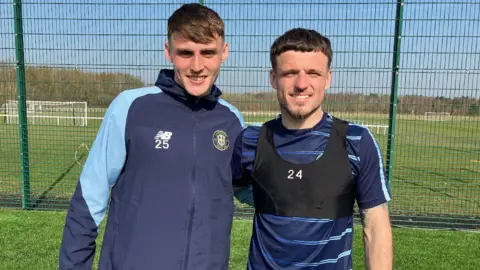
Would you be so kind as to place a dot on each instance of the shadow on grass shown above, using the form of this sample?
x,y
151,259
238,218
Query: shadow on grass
x,y
469,170
437,174
44,195
436,190
456,149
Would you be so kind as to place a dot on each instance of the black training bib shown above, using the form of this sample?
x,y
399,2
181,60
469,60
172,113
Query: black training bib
x,y
323,188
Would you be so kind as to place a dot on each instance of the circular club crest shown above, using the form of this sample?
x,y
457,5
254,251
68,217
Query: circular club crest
x,y
220,140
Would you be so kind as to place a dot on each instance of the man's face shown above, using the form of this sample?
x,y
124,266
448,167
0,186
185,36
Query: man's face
x,y
301,79
196,65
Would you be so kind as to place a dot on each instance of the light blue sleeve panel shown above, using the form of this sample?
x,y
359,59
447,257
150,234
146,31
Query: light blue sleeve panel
x,y
108,153
244,194
234,110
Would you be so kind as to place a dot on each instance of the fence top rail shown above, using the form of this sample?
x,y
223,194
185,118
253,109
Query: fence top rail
x,y
53,116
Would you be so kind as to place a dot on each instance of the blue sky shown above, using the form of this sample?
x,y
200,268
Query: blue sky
x,y
440,43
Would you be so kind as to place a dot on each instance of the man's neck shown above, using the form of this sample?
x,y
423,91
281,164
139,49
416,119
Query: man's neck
x,y
294,124
194,98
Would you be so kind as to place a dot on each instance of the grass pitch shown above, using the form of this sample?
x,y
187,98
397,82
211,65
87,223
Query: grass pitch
x,y
30,240
436,164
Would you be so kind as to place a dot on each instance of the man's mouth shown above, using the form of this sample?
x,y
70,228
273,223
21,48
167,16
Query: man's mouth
x,y
197,79
300,96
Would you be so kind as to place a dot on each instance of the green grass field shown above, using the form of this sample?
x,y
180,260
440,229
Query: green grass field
x,y
436,163
30,240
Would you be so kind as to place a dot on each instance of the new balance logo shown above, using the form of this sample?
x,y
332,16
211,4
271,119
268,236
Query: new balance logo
x,y
162,138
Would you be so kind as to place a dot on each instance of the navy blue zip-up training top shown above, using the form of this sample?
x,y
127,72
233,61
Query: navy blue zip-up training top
x,y
166,161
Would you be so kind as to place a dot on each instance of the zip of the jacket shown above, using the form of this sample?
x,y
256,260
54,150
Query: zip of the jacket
x,y
192,200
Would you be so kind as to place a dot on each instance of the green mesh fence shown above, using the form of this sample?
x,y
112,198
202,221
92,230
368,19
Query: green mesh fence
x,y
408,70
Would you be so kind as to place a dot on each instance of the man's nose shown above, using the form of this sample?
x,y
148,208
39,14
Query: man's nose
x,y
301,83
197,64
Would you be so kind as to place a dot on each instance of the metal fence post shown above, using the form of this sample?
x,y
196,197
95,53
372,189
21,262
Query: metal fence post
x,y
22,104
394,90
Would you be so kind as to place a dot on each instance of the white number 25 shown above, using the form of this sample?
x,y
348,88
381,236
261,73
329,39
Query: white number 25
x,y
161,144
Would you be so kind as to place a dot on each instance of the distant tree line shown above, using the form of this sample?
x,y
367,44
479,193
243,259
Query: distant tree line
x,y
371,103
59,84
98,89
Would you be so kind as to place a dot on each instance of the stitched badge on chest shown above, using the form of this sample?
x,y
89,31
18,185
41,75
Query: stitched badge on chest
x,y
220,140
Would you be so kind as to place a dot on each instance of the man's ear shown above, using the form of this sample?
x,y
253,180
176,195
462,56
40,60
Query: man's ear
x,y
167,52
225,52
273,79
329,79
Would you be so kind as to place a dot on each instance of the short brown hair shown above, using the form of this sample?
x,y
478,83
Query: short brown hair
x,y
301,40
196,23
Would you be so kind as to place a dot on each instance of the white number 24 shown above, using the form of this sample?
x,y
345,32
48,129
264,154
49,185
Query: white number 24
x,y
293,175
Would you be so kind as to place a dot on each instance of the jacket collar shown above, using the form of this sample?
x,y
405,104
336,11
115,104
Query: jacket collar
x,y
167,84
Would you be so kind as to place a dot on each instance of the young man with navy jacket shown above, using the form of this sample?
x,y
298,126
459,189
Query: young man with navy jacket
x,y
161,164
307,168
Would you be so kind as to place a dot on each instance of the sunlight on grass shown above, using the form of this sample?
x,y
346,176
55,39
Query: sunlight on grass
x,y
30,240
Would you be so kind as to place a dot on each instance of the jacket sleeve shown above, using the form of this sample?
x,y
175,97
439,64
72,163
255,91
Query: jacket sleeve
x,y
90,199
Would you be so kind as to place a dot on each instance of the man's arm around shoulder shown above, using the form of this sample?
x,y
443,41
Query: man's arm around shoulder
x,y
242,188
244,194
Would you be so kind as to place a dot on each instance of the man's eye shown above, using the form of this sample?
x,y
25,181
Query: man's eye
x,y
209,54
185,54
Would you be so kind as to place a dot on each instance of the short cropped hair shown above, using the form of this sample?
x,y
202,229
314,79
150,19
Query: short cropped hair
x,y
196,23
300,40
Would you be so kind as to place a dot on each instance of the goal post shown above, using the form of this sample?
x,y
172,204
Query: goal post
x,y
48,112
437,116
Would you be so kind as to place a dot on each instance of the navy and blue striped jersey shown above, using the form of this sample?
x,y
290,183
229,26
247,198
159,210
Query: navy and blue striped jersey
x,y
280,242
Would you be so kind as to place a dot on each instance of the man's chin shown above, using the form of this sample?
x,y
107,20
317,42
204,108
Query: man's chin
x,y
301,114
197,92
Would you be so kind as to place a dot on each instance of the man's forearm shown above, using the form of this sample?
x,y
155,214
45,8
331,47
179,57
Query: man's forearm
x,y
377,237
